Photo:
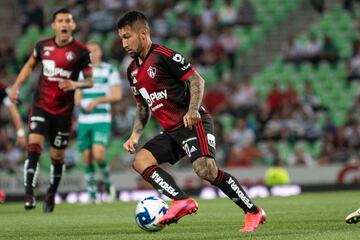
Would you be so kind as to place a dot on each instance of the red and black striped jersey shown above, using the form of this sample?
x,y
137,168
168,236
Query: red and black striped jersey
x,y
59,63
160,82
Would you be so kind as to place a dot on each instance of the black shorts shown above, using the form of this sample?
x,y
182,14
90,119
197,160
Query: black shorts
x,y
56,128
196,142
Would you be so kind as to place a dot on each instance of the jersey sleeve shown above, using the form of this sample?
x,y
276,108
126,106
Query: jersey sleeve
x,y
114,76
178,65
134,90
85,62
37,52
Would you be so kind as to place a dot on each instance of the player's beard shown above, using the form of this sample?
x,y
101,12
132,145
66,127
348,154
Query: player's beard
x,y
134,54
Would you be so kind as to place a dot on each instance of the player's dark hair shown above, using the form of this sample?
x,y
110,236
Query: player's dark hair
x,y
61,10
129,18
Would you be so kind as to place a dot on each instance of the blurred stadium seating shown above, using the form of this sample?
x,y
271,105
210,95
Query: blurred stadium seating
x,y
328,80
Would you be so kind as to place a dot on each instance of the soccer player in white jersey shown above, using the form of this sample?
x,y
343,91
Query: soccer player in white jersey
x,y
94,121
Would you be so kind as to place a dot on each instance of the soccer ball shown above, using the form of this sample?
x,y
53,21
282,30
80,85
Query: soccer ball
x,y
148,213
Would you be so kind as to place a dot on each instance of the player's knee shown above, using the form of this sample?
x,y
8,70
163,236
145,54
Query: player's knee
x,y
137,163
34,147
36,139
98,153
142,160
98,158
86,156
57,154
205,168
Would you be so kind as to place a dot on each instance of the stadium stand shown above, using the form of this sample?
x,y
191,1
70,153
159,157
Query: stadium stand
x,y
328,79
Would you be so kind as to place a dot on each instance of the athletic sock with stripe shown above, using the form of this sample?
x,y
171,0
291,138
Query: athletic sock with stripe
x,y
163,182
231,187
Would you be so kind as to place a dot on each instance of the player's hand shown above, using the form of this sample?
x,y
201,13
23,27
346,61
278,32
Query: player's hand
x,y
14,95
21,141
130,144
191,118
91,106
67,85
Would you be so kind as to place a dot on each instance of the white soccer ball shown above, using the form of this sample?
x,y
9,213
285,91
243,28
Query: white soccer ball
x,y
148,213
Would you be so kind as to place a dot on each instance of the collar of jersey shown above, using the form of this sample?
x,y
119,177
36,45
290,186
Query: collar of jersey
x,y
147,55
73,39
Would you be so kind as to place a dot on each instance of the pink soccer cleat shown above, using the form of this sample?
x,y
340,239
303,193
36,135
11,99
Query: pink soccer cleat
x,y
253,220
179,209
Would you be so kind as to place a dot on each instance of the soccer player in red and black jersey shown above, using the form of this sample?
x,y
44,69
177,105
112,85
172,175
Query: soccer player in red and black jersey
x,y
166,85
62,58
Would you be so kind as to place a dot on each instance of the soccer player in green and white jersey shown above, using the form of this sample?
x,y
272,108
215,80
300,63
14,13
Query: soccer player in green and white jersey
x,y
95,119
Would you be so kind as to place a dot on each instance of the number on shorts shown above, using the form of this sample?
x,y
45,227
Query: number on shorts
x,y
57,141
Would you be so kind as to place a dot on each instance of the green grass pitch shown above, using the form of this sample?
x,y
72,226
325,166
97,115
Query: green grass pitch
x,y
308,216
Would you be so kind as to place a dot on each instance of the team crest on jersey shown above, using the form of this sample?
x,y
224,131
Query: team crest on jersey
x,y
151,72
70,56
47,53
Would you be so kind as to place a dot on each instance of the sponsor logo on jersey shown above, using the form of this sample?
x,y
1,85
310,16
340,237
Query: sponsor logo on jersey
x,y
186,67
51,71
178,58
153,97
157,107
70,56
164,185
151,72
49,48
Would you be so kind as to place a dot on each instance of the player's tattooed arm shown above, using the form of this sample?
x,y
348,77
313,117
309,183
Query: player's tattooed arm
x,y
196,83
141,119
23,75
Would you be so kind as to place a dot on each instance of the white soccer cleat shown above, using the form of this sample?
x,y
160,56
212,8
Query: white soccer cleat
x,y
353,217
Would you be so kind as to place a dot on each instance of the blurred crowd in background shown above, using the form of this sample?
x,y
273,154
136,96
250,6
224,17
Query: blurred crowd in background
x,y
280,119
